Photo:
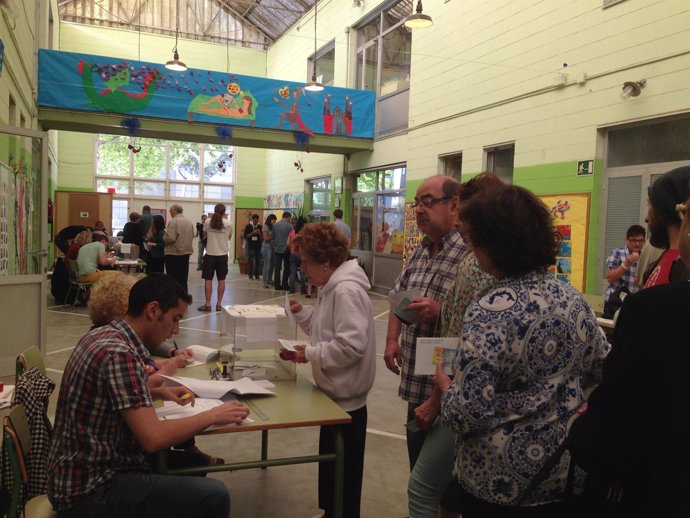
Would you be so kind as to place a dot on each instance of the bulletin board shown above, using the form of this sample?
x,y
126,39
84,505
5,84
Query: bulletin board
x,y
570,213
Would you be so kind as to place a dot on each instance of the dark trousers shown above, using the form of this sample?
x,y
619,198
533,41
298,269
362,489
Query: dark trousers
x,y
177,266
354,438
143,495
280,261
415,440
155,264
254,261
473,507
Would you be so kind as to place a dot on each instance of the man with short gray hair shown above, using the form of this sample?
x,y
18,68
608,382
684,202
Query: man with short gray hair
x,y
178,245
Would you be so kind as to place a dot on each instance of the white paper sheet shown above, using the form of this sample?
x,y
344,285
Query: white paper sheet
x,y
290,344
261,328
426,354
6,396
216,389
171,410
201,354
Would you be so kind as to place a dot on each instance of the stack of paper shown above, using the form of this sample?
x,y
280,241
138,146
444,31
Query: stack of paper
x,y
257,310
216,389
202,354
171,410
6,396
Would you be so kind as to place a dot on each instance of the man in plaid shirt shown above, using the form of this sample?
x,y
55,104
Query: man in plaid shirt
x,y
622,263
105,420
431,270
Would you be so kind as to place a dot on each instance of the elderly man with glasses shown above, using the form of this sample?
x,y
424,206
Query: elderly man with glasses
x,y
430,271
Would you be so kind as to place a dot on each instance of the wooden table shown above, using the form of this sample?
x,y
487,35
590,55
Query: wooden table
x,y
296,404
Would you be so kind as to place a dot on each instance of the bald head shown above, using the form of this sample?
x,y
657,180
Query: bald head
x,y
437,206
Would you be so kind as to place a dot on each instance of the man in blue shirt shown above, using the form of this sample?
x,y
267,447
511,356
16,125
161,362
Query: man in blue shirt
x,y
622,263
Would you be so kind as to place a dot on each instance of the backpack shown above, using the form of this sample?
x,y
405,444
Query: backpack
x,y
615,301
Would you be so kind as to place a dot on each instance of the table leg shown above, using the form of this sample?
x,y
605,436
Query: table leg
x,y
162,462
264,446
339,478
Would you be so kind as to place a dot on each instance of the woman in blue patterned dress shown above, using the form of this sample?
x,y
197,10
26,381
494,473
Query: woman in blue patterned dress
x,y
529,349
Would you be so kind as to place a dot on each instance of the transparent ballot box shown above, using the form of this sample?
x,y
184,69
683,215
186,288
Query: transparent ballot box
x,y
255,331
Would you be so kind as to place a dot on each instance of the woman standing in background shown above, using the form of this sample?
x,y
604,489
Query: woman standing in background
x,y
267,250
218,232
156,244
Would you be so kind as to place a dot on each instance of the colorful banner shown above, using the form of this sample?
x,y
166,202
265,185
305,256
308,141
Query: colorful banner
x,y
68,80
571,218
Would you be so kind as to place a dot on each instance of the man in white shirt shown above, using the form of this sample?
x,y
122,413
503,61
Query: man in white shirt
x,y
343,227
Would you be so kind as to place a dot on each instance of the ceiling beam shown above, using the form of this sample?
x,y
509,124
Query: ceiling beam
x,y
242,136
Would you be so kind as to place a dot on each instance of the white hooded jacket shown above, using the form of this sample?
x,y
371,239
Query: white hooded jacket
x,y
342,344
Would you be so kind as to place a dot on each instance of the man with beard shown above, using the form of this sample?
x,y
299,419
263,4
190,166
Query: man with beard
x,y
665,193
430,270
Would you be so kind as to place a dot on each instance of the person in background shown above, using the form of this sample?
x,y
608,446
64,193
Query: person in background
x,y
105,420
252,233
63,239
530,348
281,251
202,241
665,193
343,227
131,233
643,398
178,239
145,221
99,226
296,259
267,250
433,470
218,232
83,238
156,245
341,350
430,270
93,256
622,263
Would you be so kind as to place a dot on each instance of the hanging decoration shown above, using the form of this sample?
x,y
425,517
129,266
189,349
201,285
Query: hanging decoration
x,y
224,162
224,132
132,148
298,166
132,125
302,139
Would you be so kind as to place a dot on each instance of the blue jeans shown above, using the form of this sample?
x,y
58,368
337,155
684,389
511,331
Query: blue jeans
x,y
253,262
432,472
144,495
267,255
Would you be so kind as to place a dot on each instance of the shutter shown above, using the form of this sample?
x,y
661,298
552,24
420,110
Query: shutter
x,y
622,211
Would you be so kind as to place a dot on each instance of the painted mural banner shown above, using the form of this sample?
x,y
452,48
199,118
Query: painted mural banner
x,y
74,81
570,214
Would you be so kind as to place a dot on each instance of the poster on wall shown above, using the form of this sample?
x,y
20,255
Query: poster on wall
x,y
73,81
412,234
570,213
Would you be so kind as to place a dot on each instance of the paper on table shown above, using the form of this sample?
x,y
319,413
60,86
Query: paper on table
x,y
290,344
427,356
202,354
125,248
171,410
217,388
261,328
6,396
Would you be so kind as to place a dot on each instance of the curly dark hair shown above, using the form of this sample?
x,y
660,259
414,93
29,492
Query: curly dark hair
x,y
514,227
322,243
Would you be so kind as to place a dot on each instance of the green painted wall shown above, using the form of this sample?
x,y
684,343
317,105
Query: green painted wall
x,y
248,202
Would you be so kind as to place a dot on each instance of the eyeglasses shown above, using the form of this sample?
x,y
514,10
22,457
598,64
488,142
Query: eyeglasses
x,y
641,240
428,201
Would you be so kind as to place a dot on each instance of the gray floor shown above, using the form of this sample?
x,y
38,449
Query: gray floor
x,y
279,491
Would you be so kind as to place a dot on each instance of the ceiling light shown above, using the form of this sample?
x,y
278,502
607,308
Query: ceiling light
x,y
632,89
175,64
314,85
418,20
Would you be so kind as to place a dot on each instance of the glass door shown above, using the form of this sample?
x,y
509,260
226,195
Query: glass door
x,y
23,242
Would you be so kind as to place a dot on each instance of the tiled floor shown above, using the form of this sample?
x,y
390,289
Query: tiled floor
x,y
279,491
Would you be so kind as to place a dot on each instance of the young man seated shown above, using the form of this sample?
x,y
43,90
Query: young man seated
x,y
105,421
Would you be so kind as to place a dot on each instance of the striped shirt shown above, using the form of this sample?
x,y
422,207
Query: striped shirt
x,y
91,441
432,276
